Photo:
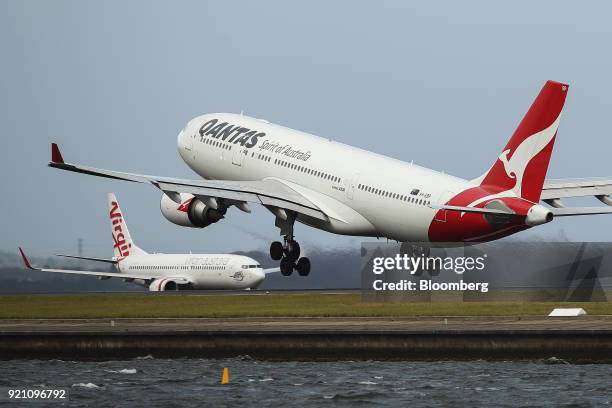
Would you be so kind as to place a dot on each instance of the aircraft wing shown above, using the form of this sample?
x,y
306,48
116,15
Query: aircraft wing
x,y
266,192
26,261
111,261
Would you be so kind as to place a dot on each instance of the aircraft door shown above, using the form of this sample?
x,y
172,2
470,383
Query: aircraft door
x,y
351,185
238,156
189,141
442,199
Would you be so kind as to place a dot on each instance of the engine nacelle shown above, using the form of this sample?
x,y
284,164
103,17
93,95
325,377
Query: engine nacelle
x,y
190,212
162,285
537,215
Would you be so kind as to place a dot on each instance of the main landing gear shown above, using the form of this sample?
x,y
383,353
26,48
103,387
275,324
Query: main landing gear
x,y
289,255
289,251
417,250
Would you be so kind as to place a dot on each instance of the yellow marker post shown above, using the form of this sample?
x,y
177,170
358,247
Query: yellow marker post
x,y
225,377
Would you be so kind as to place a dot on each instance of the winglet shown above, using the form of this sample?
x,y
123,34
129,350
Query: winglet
x,y
25,259
56,155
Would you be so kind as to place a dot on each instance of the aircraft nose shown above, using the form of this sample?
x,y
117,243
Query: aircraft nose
x,y
183,144
179,139
258,276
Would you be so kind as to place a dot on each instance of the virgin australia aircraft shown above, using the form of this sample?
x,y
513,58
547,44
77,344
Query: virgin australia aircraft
x,y
163,272
346,190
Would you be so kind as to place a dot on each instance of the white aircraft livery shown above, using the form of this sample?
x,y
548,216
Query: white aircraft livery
x,y
346,190
164,272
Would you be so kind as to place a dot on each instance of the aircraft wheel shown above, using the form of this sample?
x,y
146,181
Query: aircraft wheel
x,y
293,250
303,266
286,266
276,250
426,251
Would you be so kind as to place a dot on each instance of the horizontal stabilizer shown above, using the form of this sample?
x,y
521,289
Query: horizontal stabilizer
x,y
557,212
471,209
566,212
579,187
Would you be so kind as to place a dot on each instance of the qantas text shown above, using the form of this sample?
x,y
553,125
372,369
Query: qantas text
x,y
230,133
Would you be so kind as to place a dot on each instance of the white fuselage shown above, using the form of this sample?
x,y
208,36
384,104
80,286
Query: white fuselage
x,y
364,193
204,271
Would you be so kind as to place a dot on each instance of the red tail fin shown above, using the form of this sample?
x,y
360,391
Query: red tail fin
x,y
523,163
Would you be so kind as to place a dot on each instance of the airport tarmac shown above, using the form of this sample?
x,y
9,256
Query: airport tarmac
x,y
580,339
475,324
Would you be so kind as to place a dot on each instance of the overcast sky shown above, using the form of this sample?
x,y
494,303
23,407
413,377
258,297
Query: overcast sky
x,y
440,83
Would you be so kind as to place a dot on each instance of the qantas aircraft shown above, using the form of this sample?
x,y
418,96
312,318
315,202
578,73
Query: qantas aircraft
x,y
164,272
346,190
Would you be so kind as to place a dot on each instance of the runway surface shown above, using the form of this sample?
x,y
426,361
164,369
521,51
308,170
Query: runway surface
x,y
581,324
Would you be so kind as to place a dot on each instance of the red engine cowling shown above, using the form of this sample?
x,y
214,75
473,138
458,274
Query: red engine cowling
x,y
162,285
190,212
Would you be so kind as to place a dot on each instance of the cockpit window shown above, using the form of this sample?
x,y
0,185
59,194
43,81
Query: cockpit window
x,y
250,266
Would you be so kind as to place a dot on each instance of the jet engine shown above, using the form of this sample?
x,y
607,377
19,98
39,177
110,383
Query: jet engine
x,y
162,285
190,212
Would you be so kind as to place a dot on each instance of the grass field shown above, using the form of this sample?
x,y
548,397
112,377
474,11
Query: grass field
x,y
273,305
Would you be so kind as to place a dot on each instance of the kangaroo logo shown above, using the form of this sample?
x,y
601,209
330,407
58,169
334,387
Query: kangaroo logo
x,y
184,207
515,165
